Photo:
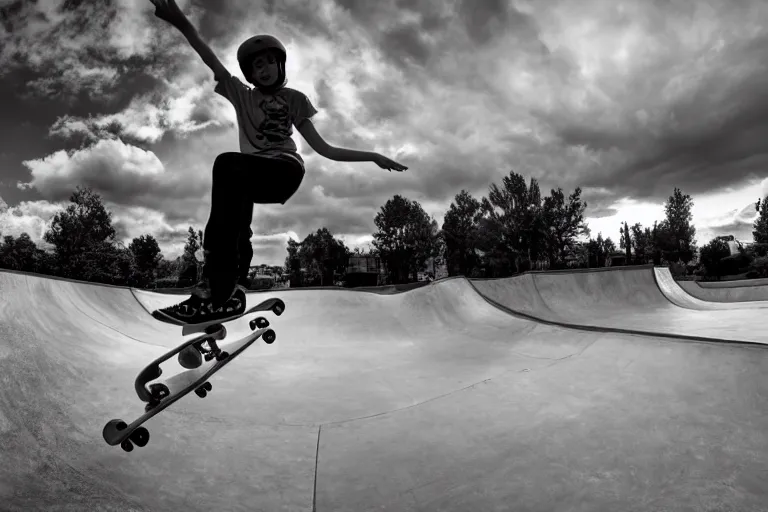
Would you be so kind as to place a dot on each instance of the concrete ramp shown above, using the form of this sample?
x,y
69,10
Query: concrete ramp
x,y
678,293
746,292
637,299
738,283
432,399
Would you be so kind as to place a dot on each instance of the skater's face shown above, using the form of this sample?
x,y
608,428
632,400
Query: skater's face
x,y
266,69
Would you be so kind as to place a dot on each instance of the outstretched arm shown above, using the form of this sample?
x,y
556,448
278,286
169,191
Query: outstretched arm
x,y
316,142
168,10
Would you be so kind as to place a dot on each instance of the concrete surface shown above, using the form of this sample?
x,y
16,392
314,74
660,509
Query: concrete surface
x,y
742,291
677,293
633,300
734,283
432,399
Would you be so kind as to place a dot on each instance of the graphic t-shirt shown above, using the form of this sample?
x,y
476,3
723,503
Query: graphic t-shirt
x,y
265,121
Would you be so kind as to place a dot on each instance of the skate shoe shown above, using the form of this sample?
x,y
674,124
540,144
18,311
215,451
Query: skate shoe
x,y
201,309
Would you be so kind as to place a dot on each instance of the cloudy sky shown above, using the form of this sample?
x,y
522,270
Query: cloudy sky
x,y
625,99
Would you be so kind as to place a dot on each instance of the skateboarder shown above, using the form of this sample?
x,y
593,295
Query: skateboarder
x,y
267,170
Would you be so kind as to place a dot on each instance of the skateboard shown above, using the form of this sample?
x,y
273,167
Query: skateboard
x,y
192,351
117,431
159,396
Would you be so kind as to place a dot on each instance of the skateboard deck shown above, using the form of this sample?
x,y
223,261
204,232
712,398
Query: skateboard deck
x,y
276,305
118,432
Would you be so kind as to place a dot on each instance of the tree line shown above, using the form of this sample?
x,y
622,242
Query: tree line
x,y
513,229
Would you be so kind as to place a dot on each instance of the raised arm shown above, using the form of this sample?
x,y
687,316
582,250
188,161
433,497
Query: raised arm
x,y
168,10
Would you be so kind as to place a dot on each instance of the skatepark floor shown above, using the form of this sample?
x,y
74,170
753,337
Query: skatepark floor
x,y
565,391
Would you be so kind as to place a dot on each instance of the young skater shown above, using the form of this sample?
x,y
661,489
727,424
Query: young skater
x,y
267,170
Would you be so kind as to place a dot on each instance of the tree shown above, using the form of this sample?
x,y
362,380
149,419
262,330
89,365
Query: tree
x,y
168,272
760,233
18,253
191,266
580,255
626,241
322,255
516,229
565,223
109,263
293,263
460,234
500,225
712,256
599,250
510,225
147,257
406,239
642,243
146,250
676,236
535,229
82,228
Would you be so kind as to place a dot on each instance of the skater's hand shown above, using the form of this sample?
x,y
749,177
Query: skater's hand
x,y
386,163
168,10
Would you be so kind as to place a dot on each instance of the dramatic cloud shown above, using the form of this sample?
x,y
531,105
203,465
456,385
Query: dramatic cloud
x,y
626,100
119,172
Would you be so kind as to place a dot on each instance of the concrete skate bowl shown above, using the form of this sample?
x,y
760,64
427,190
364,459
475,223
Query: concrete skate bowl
x,y
735,291
387,289
432,399
734,283
677,293
634,300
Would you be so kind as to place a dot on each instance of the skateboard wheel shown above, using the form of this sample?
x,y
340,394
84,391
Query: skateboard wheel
x,y
140,436
112,428
201,392
207,386
260,322
158,392
269,337
222,356
126,446
278,308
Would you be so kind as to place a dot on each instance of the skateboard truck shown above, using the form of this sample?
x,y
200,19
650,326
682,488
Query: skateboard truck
x,y
212,351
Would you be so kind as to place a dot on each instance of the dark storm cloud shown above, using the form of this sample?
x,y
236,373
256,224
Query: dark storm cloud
x,y
486,19
713,136
257,17
406,33
81,51
406,43
624,99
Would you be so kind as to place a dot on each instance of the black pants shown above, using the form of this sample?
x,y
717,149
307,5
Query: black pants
x,y
239,181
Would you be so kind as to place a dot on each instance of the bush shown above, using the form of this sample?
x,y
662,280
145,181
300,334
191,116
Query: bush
x,y
677,269
713,256
166,282
736,264
759,267
759,249
261,283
